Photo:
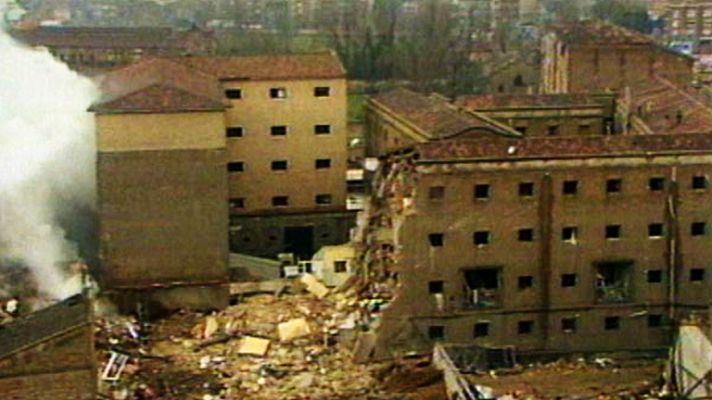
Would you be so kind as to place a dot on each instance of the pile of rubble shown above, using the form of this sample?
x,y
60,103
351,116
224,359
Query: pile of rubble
x,y
288,346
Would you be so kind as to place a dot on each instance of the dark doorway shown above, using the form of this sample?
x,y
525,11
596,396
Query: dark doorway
x,y
300,241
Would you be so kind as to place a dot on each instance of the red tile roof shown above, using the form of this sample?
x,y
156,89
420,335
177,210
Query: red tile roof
x,y
599,33
324,65
492,101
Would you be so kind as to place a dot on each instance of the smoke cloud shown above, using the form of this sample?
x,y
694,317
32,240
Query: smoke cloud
x,y
47,161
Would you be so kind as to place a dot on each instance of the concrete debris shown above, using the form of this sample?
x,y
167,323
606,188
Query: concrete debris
x,y
293,329
250,345
313,286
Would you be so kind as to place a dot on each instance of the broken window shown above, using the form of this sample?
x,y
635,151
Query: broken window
x,y
697,274
570,187
436,332
613,281
482,191
322,91
552,130
278,93
698,228
526,235
656,184
525,327
699,182
322,163
525,282
526,189
340,266
278,130
237,203
436,287
234,131
655,230
436,192
613,232
654,275
612,323
614,186
568,280
568,325
280,201
482,287
481,330
279,165
655,320
322,129
481,238
235,166
436,239
323,199
569,234
233,94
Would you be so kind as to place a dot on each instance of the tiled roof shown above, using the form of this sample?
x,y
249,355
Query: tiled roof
x,y
498,148
159,85
435,116
37,327
599,32
324,65
490,101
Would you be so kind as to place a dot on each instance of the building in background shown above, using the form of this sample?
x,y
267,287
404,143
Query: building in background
x,y
689,20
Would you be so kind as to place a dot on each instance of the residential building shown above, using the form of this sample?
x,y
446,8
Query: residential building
x,y
689,20
486,235
49,354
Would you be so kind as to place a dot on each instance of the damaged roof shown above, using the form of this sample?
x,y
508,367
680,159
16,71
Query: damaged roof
x,y
159,85
323,65
493,101
435,116
42,325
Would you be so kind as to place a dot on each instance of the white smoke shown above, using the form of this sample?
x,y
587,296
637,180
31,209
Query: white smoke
x,y
47,159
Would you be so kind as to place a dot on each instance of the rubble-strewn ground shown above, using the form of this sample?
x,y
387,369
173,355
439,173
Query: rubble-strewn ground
x,y
607,379
173,363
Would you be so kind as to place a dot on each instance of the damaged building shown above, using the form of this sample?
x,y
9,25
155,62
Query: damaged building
x,y
485,234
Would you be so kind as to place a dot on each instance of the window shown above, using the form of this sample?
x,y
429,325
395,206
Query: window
x,y
234,131
436,239
322,163
481,330
569,234
584,129
235,166
568,280
521,129
525,327
322,91
436,287
436,332
323,199
340,266
612,323
552,130
278,93
280,201
237,203
278,130
482,191
697,275
656,184
699,182
655,230
482,287
613,186
570,187
613,232
526,189
613,280
698,228
655,320
525,282
526,235
436,192
654,275
322,129
279,165
568,325
481,238
233,94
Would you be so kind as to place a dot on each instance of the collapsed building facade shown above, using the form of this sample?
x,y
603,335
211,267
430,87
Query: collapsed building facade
x,y
576,241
